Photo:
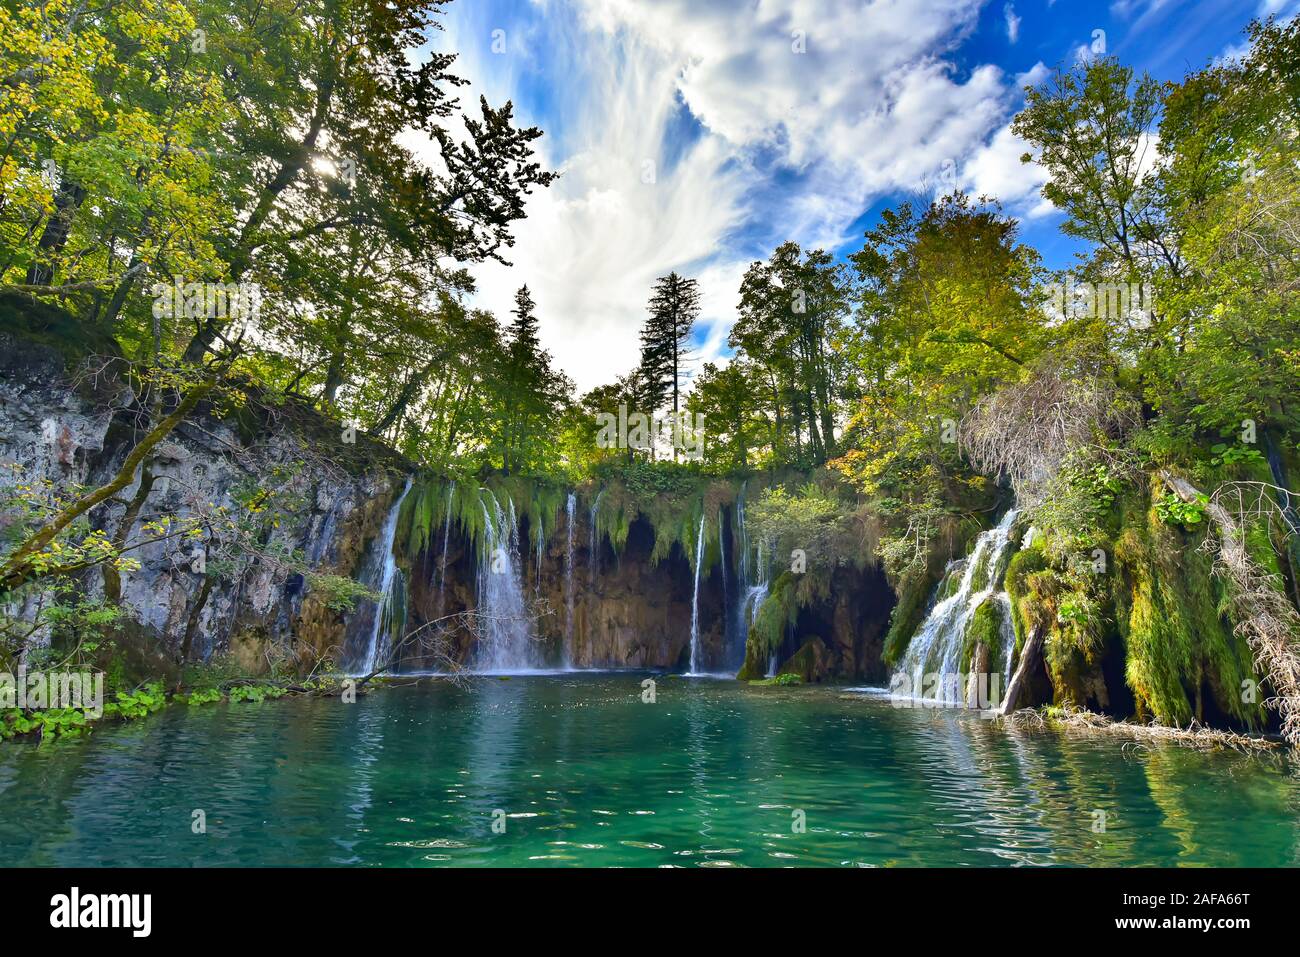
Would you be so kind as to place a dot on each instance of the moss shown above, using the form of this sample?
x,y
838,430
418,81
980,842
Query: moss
x,y
777,617
779,681
984,627
910,610
808,663
1177,634
1026,608
950,583
52,326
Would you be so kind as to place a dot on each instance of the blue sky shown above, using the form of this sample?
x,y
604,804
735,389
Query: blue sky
x,y
696,136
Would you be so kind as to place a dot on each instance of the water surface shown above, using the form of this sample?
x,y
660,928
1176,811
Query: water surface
x,y
582,772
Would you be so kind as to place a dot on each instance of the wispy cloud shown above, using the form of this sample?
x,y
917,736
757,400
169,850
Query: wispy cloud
x,y
1013,23
698,136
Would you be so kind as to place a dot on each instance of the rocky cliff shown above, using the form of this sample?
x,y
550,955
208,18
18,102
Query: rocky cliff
x,y
68,425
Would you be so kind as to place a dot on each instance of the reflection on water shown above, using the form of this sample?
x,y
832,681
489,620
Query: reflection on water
x,y
583,773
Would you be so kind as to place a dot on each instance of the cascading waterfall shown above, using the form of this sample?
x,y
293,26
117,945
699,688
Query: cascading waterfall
x,y
936,646
505,643
594,553
383,614
446,538
727,629
570,509
1007,632
537,559
751,592
695,601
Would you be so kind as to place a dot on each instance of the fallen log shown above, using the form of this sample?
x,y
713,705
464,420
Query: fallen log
x,y
1030,657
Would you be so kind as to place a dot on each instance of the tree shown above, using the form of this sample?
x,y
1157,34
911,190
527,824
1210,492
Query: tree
x,y
792,311
1094,128
734,425
105,113
946,312
532,392
325,115
674,307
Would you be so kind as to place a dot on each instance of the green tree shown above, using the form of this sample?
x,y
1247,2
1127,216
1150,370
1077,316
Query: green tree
x,y
674,307
734,424
946,313
792,312
532,391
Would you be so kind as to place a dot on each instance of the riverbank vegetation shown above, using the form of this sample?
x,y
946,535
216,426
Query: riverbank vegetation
x,y
221,203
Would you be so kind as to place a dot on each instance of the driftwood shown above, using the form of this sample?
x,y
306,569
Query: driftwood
x,y
1030,656
1078,721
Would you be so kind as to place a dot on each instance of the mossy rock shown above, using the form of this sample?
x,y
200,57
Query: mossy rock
x,y
983,628
777,681
810,663
50,325
909,612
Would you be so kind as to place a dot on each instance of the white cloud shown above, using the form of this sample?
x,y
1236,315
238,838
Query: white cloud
x,y
996,170
1013,23
871,107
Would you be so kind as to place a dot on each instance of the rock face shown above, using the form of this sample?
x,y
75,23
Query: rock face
x,y
331,500
69,429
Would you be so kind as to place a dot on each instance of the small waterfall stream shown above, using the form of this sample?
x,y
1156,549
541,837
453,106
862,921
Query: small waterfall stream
x,y
505,643
570,509
695,602
593,548
446,538
936,646
382,571
753,587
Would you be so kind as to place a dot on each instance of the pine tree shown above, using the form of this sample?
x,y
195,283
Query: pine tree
x,y
534,392
674,307
524,343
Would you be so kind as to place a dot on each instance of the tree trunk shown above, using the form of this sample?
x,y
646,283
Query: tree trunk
x,y
66,202
1030,658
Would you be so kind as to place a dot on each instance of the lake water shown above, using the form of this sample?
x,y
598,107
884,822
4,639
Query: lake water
x,y
577,770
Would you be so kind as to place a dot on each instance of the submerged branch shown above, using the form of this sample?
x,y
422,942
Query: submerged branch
x,y
1078,721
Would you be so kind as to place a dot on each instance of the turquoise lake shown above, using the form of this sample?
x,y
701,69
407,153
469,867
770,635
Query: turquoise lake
x,y
576,770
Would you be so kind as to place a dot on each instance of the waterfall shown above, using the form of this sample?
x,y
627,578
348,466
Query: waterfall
x,y
537,559
504,640
593,547
446,538
1007,632
695,601
750,594
380,618
936,646
727,624
570,508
